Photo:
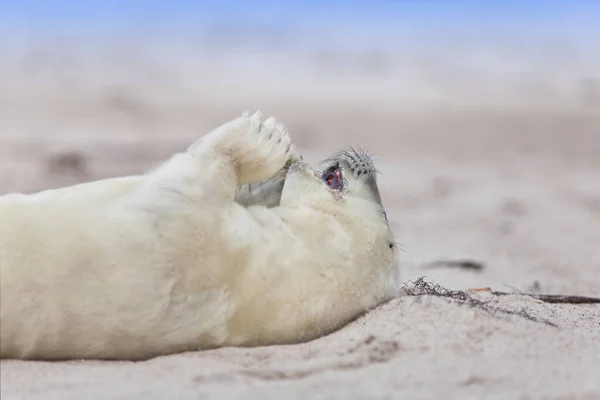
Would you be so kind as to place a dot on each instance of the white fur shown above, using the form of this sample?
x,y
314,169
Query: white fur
x,y
136,267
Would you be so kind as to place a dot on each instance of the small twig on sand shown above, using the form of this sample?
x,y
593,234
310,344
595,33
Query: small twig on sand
x,y
463,264
483,289
554,298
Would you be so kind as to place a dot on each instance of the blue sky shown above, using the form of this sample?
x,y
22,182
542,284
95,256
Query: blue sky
x,y
107,15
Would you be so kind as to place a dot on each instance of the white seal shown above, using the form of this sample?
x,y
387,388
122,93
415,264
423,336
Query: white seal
x,y
178,259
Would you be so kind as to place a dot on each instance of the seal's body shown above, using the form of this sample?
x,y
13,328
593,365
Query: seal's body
x,y
142,266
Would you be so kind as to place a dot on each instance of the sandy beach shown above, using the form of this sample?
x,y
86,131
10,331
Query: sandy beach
x,y
501,175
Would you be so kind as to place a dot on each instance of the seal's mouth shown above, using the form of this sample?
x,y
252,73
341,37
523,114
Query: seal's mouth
x,y
332,177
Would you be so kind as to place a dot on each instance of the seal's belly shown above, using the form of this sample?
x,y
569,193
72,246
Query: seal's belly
x,y
84,274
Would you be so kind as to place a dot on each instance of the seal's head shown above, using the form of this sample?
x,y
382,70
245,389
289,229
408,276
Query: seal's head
x,y
345,187
348,176
352,173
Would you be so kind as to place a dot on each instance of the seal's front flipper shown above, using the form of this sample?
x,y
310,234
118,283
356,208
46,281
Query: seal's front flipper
x,y
256,149
241,151
267,193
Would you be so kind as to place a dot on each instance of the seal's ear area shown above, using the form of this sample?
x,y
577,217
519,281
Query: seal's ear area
x,y
303,184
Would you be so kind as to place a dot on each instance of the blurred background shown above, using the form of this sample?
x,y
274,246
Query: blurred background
x,y
484,117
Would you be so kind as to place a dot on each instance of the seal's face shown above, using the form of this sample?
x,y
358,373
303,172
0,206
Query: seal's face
x,y
345,185
344,176
345,188
352,173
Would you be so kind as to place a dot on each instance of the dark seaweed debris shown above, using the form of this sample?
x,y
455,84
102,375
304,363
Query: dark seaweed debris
x,y
420,287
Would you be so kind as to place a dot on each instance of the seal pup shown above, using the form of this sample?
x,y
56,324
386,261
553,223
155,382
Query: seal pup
x,y
166,262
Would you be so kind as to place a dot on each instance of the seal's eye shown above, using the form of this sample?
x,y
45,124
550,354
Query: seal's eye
x,y
333,177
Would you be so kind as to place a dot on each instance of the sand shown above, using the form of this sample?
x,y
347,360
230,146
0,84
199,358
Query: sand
x,y
513,185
